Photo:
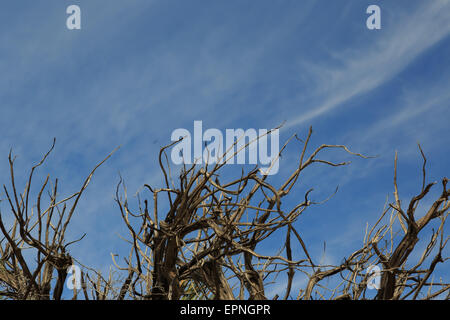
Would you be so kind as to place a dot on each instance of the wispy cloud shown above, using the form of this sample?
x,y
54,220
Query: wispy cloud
x,y
367,68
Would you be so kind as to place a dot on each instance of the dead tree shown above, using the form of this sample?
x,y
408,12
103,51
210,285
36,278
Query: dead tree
x,y
34,256
400,278
200,236
206,243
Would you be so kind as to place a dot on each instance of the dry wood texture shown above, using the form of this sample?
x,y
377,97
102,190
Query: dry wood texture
x,y
198,237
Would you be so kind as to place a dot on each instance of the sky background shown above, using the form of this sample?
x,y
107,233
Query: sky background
x,y
139,69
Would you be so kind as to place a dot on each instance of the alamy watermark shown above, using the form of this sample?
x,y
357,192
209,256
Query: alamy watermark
x,y
73,22
239,147
74,277
373,22
373,281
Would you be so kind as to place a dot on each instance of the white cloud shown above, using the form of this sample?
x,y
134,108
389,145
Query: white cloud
x,y
366,69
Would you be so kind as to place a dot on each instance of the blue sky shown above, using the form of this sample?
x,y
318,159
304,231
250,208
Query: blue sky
x,y
138,69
